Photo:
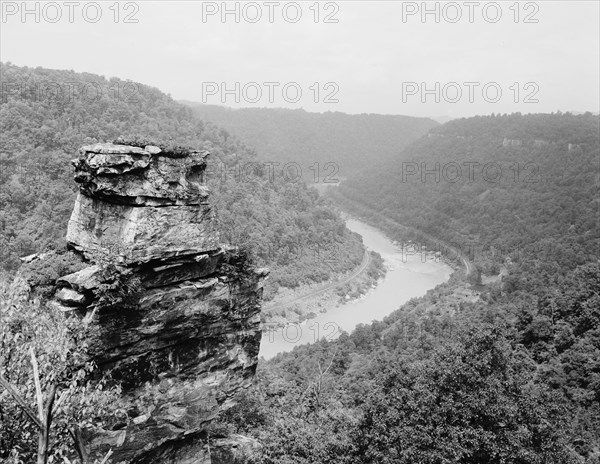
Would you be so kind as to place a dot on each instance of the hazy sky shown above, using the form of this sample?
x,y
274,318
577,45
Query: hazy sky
x,y
374,59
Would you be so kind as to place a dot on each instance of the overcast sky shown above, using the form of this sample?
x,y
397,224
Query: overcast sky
x,y
374,59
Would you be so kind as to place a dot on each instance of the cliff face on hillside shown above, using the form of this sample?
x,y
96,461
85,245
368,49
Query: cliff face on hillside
x,y
175,315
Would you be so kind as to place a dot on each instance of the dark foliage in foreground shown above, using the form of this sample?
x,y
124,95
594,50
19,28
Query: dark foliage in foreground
x,y
511,378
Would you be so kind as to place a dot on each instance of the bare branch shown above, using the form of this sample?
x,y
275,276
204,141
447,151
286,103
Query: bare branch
x,y
79,446
332,358
44,438
38,387
20,401
48,411
108,455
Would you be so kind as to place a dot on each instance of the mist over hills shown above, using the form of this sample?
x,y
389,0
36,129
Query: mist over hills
x,y
351,142
321,232
46,115
513,182
511,376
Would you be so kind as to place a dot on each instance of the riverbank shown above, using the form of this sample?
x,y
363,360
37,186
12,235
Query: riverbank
x,y
307,301
407,277
450,254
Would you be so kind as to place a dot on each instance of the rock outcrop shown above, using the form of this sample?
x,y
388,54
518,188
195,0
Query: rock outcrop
x,y
180,319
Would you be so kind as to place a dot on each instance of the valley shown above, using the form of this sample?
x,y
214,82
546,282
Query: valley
x,y
301,324
406,277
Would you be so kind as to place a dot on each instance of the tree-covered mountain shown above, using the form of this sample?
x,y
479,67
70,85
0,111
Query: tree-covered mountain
x,y
47,115
312,140
429,384
517,186
513,377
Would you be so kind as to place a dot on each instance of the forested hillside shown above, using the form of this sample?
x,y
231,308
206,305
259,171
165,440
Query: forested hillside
x,y
46,115
513,377
351,142
499,186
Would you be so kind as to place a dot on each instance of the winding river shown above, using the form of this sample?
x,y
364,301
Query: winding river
x,y
408,276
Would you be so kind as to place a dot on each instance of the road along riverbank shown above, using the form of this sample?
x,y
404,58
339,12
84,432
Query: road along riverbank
x,y
409,275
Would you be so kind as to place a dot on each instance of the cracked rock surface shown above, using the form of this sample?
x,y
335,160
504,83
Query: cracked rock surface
x,y
189,327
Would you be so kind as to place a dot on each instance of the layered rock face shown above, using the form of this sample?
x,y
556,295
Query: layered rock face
x,y
181,324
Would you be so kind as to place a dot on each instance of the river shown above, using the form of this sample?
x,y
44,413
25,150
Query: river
x,y
408,276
